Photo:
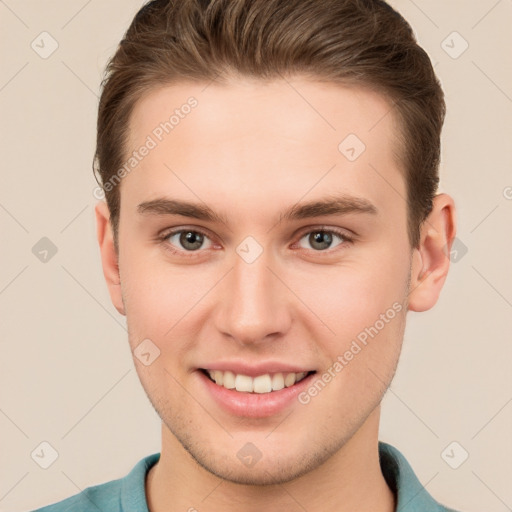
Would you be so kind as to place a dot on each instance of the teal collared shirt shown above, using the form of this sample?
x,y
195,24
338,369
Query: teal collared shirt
x,y
128,494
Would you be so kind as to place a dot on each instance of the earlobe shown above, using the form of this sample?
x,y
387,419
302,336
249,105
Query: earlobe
x,y
431,260
109,259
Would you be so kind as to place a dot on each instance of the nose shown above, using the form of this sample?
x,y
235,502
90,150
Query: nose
x,y
253,305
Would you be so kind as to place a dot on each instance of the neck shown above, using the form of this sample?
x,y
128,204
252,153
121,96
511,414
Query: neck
x,y
349,480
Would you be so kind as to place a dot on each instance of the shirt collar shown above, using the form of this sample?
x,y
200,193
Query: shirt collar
x,y
410,494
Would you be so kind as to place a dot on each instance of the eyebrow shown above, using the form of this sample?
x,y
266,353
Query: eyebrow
x,y
331,205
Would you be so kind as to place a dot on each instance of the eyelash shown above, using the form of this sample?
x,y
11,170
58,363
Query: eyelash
x,y
342,234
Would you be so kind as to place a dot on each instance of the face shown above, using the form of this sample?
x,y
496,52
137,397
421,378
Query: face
x,y
256,238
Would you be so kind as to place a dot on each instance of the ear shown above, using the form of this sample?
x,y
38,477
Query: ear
x,y
431,259
109,259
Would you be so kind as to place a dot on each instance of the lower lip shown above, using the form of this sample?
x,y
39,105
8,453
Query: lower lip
x,y
254,405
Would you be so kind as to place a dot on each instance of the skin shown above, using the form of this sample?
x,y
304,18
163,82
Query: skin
x,y
250,150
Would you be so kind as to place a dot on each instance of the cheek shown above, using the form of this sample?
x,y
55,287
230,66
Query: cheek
x,y
363,300
165,303
155,297
347,298
368,318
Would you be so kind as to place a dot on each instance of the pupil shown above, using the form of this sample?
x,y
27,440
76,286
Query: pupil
x,y
322,237
190,237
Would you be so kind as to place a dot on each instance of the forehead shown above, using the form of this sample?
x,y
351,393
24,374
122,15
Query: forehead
x,y
250,137
287,106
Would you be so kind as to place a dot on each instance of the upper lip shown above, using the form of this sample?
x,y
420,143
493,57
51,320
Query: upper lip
x,y
255,369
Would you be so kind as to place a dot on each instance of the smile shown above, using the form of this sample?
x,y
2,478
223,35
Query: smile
x,y
265,383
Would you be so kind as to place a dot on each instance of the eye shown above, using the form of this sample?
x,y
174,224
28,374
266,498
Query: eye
x,y
193,240
321,239
189,240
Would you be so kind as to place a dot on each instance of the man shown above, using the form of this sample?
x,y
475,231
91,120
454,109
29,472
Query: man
x,y
270,169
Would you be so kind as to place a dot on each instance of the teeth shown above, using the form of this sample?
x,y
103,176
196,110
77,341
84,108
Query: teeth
x,y
227,380
244,383
277,381
289,380
261,384
218,377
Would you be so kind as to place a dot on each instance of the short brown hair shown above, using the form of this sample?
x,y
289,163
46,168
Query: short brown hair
x,y
361,42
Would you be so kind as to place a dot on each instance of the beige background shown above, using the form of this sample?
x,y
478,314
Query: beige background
x,y
66,372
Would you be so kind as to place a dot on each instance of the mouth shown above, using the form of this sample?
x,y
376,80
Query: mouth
x,y
260,384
